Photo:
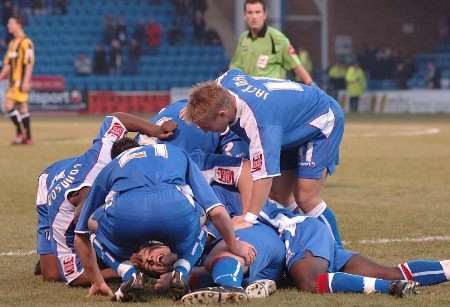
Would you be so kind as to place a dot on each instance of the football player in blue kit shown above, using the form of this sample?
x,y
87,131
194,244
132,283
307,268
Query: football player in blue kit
x,y
316,263
62,189
150,193
229,273
300,123
222,157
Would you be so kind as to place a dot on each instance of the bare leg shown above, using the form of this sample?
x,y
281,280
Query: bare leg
x,y
360,265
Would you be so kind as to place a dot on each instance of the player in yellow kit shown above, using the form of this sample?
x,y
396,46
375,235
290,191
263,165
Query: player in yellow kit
x,y
18,67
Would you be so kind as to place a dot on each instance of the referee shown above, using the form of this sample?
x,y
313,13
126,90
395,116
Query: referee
x,y
263,51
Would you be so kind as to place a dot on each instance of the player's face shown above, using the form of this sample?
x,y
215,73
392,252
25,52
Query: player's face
x,y
13,26
154,259
255,16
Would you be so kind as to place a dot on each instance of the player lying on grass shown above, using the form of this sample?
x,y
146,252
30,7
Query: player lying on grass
x,y
316,263
64,186
222,268
152,192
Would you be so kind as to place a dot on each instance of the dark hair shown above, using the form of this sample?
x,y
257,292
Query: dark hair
x,y
254,2
17,18
122,145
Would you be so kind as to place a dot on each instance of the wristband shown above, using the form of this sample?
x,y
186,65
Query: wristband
x,y
250,217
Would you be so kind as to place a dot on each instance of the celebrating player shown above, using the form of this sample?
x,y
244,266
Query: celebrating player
x,y
64,186
277,117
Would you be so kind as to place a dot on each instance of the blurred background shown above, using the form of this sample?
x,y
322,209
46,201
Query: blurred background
x,y
100,56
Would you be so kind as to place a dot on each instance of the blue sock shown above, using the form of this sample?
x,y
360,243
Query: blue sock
x,y
426,272
188,258
228,271
327,217
343,282
125,269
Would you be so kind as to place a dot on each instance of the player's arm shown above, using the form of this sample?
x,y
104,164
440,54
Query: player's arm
x,y
206,197
136,124
5,71
82,242
88,259
28,52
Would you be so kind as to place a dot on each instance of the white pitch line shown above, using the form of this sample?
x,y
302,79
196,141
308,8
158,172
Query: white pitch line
x,y
17,253
396,240
396,133
371,241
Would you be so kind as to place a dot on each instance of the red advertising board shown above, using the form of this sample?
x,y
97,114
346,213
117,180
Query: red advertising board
x,y
105,102
48,83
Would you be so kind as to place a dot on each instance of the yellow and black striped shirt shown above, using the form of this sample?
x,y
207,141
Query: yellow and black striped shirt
x,y
20,53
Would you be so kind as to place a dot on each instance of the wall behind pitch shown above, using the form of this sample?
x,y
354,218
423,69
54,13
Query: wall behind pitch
x,y
370,22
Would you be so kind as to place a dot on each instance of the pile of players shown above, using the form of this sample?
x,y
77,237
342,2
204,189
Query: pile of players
x,y
242,158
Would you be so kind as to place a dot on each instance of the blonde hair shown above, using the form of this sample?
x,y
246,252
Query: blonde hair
x,y
206,100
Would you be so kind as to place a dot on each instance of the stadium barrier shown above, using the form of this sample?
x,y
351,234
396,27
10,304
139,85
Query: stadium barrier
x,y
401,101
105,102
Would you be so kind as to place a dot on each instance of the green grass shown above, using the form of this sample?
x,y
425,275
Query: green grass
x,y
389,185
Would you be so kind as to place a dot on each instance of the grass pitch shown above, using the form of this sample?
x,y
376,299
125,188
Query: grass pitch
x,y
393,183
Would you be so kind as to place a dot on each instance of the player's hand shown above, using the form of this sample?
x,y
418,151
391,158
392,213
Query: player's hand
x,y
244,250
240,223
26,86
163,283
167,129
101,289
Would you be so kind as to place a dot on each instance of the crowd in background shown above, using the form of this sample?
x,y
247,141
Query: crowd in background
x,y
146,37
385,63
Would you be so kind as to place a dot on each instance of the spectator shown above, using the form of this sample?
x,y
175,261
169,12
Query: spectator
x,y
109,29
175,34
433,77
199,28
83,65
212,38
336,75
182,11
134,54
100,64
356,85
115,57
139,32
121,31
60,7
199,7
154,33
7,13
39,7
25,8
305,59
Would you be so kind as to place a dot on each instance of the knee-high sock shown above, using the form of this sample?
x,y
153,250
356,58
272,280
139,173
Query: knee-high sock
x,y
188,258
326,216
14,115
426,272
125,269
343,282
228,271
26,121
